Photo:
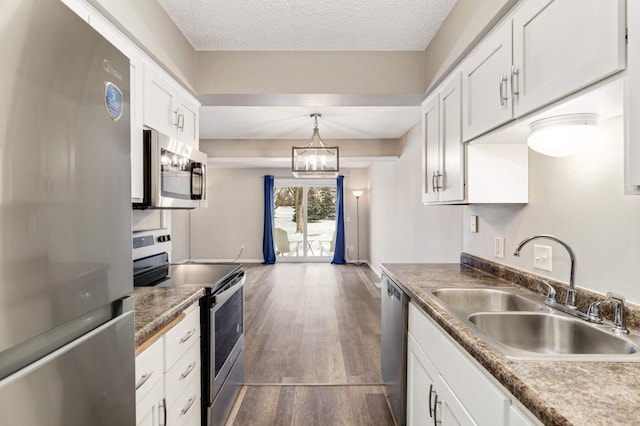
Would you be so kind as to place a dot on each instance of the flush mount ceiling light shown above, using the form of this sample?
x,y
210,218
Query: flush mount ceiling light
x,y
315,160
562,135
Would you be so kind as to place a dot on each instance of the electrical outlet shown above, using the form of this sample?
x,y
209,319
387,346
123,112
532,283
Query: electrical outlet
x,y
474,223
498,250
542,256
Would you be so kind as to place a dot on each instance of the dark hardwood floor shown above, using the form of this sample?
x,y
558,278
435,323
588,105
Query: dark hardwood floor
x,y
312,347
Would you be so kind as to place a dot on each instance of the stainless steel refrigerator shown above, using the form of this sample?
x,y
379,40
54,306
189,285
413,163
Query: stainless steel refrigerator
x,y
66,325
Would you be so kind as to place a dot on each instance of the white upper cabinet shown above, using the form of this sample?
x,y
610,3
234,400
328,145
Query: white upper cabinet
x,y
160,103
430,147
632,103
443,152
543,51
169,109
487,101
452,150
188,128
561,46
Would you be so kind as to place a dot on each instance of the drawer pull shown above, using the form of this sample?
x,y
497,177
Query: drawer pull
x,y
143,380
188,371
188,335
187,407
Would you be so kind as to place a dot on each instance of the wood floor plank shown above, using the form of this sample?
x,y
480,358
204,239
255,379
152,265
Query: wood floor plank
x,y
311,323
312,347
311,405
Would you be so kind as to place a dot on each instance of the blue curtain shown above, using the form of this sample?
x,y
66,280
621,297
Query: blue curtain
x,y
268,249
338,254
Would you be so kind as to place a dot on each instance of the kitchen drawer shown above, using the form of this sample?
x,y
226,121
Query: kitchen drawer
x,y
185,407
149,409
181,337
149,369
179,376
192,418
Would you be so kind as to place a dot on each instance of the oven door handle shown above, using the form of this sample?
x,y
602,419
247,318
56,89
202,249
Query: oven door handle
x,y
220,298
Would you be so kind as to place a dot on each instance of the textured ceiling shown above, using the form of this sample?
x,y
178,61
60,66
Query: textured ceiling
x,y
303,25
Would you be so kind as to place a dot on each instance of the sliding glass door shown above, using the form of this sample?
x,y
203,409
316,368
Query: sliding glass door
x,y
305,220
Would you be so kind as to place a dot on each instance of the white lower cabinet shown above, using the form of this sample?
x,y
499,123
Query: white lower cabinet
x,y
446,386
150,410
429,399
168,383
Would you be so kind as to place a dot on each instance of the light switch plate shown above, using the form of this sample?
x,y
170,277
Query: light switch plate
x,y
474,223
542,256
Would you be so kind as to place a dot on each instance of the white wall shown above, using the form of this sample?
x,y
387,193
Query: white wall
x,y
234,216
580,200
401,228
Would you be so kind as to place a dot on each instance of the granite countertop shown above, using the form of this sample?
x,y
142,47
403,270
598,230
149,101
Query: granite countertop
x,y
556,392
155,307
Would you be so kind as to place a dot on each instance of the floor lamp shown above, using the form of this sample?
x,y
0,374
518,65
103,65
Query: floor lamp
x,y
357,194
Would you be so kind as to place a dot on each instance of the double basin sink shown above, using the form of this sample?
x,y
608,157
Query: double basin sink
x,y
517,323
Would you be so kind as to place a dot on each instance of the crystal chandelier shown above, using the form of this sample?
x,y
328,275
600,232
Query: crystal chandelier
x,y
315,160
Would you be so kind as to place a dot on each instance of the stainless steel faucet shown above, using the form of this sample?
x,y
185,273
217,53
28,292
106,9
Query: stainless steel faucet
x,y
571,293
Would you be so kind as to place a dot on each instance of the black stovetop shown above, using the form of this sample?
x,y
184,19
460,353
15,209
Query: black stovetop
x,y
208,275
156,271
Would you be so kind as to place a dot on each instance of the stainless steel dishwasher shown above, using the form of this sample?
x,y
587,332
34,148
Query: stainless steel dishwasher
x,y
394,346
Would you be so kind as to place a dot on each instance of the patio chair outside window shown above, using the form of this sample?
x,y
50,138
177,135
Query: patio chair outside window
x,y
283,245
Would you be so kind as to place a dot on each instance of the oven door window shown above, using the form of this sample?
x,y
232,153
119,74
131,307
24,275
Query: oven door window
x,y
175,175
228,328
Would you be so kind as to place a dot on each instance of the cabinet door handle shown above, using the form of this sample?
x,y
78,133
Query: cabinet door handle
x,y
188,335
181,120
436,422
188,371
437,186
433,181
187,407
515,82
164,413
176,118
431,392
143,379
503,89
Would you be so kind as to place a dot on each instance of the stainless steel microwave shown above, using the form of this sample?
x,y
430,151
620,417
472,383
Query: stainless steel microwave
x,y
175,174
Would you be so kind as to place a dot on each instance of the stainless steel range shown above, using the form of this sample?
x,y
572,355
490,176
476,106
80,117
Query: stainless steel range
x,y
221,320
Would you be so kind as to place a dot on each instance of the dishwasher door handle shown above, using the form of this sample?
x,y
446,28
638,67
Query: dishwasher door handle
x,y
394,292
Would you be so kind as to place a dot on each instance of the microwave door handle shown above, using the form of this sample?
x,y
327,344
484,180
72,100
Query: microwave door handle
x,y
198,175
203,182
